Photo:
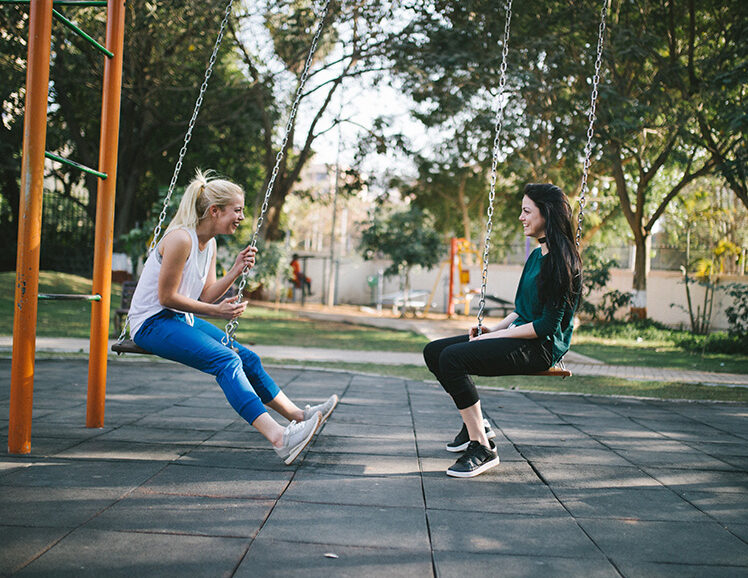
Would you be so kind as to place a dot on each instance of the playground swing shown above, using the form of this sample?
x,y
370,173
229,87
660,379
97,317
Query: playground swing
x,y
557,370
124,345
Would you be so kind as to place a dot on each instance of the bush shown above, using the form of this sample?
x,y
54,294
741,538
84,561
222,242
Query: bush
x,y
596,276
718,342
648,330
737,313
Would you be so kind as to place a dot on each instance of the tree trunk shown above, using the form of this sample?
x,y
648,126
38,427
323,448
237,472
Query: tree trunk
x,y
465,213
271,227
642,243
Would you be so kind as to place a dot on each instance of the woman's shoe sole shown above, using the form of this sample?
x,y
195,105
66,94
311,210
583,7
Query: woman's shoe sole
x,y
329,413
477,471
300,448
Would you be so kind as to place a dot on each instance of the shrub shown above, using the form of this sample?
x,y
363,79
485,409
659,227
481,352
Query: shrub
x,y
596,276
718,342
737,313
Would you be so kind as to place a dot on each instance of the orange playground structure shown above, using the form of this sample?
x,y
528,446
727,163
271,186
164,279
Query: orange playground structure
x,y
30,213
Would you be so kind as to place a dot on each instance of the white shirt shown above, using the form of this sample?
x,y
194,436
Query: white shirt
x,y
145,302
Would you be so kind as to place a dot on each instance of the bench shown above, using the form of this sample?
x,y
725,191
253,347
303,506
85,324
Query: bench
x,y
120,314
416,302
494,303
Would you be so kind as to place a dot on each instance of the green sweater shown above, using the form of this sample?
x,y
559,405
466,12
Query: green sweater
x,y
554,323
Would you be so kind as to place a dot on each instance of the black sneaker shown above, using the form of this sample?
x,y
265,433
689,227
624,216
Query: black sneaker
x,y
476,460
462,439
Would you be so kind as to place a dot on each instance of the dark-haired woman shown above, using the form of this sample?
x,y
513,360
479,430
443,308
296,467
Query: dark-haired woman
x,y
530,339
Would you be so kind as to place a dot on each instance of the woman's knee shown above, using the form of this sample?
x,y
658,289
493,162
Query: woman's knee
x,y
249,357
431,354
451,359
226,361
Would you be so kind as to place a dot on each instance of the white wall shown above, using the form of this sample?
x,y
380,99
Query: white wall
x,y
663,287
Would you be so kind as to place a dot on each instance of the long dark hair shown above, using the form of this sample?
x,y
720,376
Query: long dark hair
x,y
560,278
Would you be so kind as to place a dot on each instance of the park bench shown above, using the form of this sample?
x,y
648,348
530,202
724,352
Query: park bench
x,y
120,314
501,306
415,303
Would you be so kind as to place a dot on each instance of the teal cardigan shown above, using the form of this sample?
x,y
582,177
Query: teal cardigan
x,y
554,323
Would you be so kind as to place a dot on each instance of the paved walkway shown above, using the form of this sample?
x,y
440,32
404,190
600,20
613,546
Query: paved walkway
x,y
578,364
177,485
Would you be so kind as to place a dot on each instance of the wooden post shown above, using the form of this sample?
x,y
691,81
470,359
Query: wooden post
x,y
29,227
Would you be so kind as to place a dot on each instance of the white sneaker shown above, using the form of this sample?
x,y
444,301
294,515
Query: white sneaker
x,y
297,436
324,408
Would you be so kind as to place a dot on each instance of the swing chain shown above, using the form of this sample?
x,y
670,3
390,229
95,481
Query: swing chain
x,y
234,323
592,117
494,163
183,150
188,134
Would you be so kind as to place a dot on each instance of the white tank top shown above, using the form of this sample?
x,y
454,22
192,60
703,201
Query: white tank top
x,y
145,301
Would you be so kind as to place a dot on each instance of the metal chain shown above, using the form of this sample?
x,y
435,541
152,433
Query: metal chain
x,y
592,117
183,150
587,156
494,164
234,323
188,134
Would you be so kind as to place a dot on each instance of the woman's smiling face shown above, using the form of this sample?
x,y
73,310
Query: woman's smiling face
x,y
533,223
230,217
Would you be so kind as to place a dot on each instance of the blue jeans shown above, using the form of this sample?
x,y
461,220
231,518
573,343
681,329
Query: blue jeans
x,y
240,374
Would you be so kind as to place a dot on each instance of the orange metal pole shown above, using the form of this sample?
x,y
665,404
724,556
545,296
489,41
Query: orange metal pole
x,y
102,272
29,227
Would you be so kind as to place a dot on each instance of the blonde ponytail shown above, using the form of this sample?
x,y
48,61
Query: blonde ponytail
x,y
204,191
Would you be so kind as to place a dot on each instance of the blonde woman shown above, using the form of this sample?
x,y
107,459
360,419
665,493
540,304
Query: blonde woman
x,y
179,281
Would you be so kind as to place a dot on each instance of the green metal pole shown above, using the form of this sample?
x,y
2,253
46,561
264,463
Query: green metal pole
x,y
79,166
82,34
80,3
67,297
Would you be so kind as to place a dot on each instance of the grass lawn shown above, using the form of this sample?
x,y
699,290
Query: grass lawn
x,y
575,384
268,327
258,325
656,354
54,318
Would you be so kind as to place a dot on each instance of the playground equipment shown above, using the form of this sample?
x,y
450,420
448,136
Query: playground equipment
x,y
459,248
41,14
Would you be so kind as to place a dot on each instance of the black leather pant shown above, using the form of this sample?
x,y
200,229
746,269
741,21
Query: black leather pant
x,y
454,359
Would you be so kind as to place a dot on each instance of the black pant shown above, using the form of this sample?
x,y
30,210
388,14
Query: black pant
x,y
454,359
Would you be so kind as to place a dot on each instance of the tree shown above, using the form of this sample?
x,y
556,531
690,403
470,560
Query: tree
x,y
350,46
449,62
406,237
13,29
650,113
167,46
670,107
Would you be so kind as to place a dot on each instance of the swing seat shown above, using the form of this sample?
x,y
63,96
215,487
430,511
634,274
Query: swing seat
x,y
555,371
128,346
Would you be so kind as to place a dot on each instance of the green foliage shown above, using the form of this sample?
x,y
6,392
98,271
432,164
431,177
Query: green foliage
x,y
652,335
272,268
167,47
596,277
640,329
737,312
717,342
406,237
